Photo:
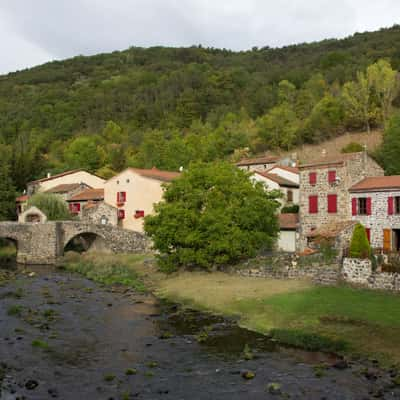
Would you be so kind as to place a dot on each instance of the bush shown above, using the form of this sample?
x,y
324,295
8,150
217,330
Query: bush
x,y
293,209
53,206
352,147
359,246
212,215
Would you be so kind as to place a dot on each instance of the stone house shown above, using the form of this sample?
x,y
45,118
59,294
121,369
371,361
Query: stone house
x,y
258,163
288,188
375,202
100,213
77,203
324,191
134,192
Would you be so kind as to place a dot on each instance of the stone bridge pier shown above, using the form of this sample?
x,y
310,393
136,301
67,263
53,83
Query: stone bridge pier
x,y
44,243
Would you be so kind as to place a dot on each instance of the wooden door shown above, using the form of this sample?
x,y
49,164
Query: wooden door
x,y
387,239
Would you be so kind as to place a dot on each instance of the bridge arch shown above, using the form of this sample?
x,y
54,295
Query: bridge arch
x,y
86,241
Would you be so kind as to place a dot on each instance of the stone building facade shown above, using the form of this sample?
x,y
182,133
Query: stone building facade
x,y
375,202
100,214
324,191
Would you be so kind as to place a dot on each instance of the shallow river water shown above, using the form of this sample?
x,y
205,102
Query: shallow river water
x,y
63,336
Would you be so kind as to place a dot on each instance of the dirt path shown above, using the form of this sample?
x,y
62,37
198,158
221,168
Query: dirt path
x,y
62,336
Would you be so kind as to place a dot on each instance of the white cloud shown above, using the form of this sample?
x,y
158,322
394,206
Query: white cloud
x,y
44,29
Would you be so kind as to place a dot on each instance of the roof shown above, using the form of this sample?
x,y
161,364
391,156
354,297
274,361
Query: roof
x,y
88,194
258,160
64,188
294,170
153,173
377,183
332,229
56,176
330,161
22,198
288,221
278,179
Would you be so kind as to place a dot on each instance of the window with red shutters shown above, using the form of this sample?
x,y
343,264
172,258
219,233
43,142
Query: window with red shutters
x,y
369,206
368,232
332,203
397,205
331,177
139,214
312,176
313,204
121,214
121,198
75,208
354,206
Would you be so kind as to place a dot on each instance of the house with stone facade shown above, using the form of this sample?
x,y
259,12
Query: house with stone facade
x,y
325,201
134,192
87,197
375,202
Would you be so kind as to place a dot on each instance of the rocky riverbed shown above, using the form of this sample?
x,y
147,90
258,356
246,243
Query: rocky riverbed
x,y
63,336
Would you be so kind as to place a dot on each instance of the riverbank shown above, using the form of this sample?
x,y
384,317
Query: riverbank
x,y
340,319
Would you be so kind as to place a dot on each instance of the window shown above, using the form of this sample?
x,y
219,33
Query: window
x,y
363,205
139,214
127,181
332,203
313,204
121,214
121,197
312,176
397,205
290,196
331,177
75,208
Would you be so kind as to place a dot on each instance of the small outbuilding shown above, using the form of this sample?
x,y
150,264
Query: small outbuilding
x,y
288,234
32,215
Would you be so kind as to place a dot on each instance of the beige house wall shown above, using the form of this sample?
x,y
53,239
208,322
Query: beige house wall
x,y
77,177
287,241
291,176
141,194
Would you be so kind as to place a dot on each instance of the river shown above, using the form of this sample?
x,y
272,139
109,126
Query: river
x,y
63,336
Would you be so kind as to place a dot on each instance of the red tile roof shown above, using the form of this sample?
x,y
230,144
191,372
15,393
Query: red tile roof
x,y
22,198
329,161
278,179
377,183
153,173
258,160
288,221
89,194
64,188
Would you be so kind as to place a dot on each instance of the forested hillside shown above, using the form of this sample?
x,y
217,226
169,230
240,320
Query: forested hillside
x,y
167,106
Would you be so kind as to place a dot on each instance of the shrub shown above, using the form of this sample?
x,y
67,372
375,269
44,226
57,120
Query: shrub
x,y
293,209
352,147
53,206
359,246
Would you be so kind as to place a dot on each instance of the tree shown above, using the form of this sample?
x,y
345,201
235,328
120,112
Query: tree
x,y
388,154
359,246
7,189
212,215
52,205
83,152
385,82
279,127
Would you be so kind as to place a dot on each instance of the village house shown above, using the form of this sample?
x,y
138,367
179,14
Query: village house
x,y
272,181
85,198
325,197
288,235
375,202
67,190
134,192
258,164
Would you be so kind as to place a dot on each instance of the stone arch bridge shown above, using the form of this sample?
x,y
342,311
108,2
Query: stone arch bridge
x,y
44,243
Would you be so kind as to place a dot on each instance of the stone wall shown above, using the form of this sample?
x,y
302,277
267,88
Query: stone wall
x,y
96,212
284,266
360,272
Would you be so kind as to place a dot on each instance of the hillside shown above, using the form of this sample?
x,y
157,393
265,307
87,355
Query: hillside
x,y
166,107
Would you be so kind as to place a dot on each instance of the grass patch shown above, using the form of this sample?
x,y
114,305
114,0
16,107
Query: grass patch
x,y
40,344
7,253
108,269
15,310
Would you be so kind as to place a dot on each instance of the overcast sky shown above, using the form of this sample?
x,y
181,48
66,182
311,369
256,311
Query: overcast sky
x,y
35,31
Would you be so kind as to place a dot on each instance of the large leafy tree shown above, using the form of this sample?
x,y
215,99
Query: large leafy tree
x,y
52,205
212,215
389,151
7,189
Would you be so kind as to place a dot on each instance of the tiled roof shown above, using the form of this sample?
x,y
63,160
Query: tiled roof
x,y
331,230
327,161
294,170
155,173
56,176
377,183
89,194
64,188
258,160
288,221
278,179
22,198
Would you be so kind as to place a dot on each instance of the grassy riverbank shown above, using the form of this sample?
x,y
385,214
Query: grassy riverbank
x,y
7,253
294,312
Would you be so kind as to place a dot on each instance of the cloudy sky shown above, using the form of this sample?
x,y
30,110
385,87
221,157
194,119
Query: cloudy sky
x,y
36,31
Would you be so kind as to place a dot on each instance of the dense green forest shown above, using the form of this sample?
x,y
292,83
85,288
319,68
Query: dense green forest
x,y
166,107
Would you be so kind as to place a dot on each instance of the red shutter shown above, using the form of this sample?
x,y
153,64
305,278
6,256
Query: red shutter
x,y
78,207
331,176
332,203
118,197
390,205
354,206
313,204
312,178
368,232
121,214
369,205
123,197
